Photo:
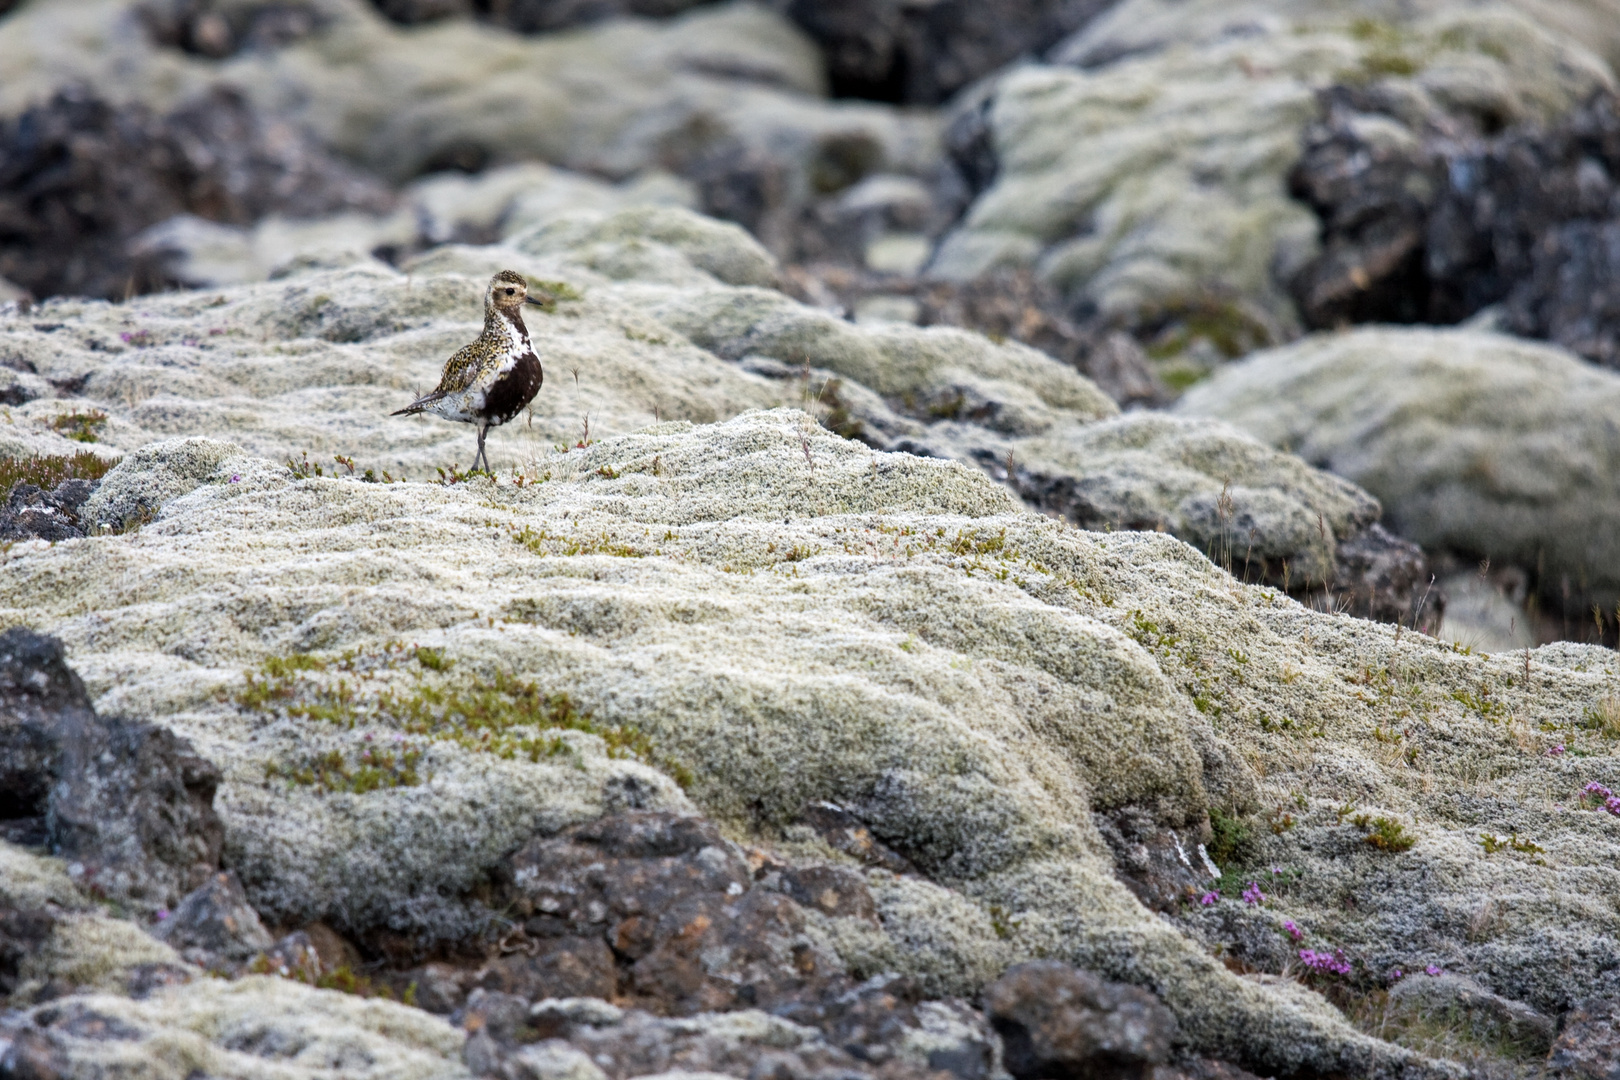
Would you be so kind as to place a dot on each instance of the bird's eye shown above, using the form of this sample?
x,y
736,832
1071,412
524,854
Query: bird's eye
x,y
511,292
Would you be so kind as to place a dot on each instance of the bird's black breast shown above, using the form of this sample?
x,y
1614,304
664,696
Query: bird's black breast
x,y
513,390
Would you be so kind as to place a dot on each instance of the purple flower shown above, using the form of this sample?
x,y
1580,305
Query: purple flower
x,y
1253,896
1334,963
1595,788
1555,751
1276,871
1432,970
1612,805
162,913
1293,931
236,478
1209,898
1396,974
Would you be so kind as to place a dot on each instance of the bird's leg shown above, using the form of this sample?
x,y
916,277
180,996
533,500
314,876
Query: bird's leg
x,y
482,431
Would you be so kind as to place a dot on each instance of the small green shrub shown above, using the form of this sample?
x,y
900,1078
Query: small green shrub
x,y
48,470
1384,833
1232,840
82,427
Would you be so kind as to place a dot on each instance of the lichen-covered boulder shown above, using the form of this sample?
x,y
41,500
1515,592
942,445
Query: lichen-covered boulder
x,y
1143,169
1476,443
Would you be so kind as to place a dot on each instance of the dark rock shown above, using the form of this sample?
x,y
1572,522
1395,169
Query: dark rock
x,y
581,1036
831,890
1588,1047
921,54
1004,304
215,922
80,178
546,16
23,932
129,806
845,832
672,900
1059,1023
146,979
218,29
1378,575
1157,864
573,966
1434,220
30,513
419,11
1572,295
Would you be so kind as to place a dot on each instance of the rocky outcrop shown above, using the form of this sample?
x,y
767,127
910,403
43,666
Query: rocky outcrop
x,y
1142,171
129,805
1425,220
1475,443
81,177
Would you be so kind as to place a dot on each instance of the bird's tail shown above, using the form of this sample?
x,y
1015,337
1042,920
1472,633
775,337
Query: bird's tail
x,y
421,404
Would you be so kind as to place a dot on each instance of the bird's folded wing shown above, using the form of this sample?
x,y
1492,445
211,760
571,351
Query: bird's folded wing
x,y
459,371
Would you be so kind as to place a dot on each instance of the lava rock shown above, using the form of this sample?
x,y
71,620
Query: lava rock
x,y
217,29
1378,575
845,832
31,513
1435,224
673,901
1158,865
1588,1047
586,1039
547,16
921,54
215,922
80,177
23,932
130,806
1057,1022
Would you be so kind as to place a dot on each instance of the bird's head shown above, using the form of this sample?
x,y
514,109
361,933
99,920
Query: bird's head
x,y
509,291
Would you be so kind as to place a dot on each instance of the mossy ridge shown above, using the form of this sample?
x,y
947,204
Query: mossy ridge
x,y
49,470
411,692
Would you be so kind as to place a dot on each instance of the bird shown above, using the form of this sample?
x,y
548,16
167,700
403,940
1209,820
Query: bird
x,y
489,381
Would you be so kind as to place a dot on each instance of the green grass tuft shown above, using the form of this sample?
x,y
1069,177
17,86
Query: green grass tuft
x,y
48,471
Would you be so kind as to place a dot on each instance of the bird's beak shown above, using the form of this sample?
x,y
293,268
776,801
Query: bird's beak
x,y
546,303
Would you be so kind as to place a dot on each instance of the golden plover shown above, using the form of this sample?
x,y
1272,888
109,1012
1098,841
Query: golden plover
x,y
489,381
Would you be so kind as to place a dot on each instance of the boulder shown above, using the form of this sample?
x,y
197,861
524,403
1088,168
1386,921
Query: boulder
x,y
1142,170
128,804
1056,1021
1589,1044
1426,220
81,177
1475,443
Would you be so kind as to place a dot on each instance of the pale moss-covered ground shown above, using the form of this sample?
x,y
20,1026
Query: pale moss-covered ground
x,y
892,633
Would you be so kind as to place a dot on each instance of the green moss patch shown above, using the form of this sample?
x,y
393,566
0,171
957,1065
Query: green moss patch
x,y
414,694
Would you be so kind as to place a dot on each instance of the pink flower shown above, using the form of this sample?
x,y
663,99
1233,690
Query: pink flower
x,y
1396,974
1293,931
1253,896
1612,805
1555,751
1334,963
1432,970
1209,898
1595,788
